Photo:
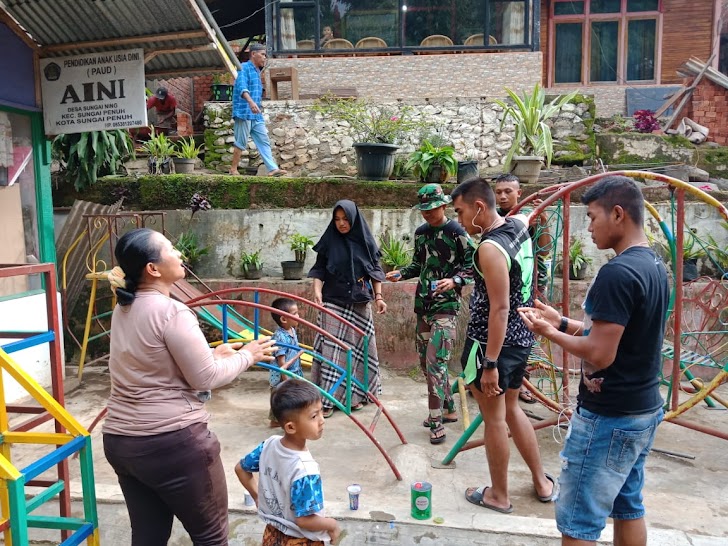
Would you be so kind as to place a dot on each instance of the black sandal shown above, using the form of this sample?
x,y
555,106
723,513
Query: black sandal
x,y
437,433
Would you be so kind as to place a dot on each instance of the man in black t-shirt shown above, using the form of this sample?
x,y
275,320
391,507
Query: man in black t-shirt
x,y
619,403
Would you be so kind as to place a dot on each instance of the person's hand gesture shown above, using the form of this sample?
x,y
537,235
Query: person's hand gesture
x,y
393,276
381,306
318,298
262,349
540,318
254,107
224,350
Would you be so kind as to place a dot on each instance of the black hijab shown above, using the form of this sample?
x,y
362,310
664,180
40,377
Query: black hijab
x,y
351,255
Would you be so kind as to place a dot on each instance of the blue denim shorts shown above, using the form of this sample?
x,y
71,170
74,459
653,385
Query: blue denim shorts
x,y
603,471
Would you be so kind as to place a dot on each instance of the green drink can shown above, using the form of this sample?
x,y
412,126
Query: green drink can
x,y
421,500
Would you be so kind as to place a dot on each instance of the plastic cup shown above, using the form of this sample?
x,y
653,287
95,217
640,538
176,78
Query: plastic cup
x,y
354,490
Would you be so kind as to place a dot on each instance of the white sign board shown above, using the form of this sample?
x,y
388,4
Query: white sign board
x,y
95,92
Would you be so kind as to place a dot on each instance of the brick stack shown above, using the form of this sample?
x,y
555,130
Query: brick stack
x,y
709,107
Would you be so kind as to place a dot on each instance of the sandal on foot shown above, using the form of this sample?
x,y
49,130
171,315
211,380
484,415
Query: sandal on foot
x,y
437,433
554,490
526,396
475,495
357,407
426,422
328,412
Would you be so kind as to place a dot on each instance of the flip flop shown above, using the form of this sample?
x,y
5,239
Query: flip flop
x,y
437,434
328,412
554,490
359,406
526,396
426,422
277,172
474,495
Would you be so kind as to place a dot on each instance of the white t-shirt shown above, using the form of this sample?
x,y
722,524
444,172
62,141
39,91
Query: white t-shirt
x,y
289,487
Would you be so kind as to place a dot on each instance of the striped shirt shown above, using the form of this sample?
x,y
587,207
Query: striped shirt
x,y
248,80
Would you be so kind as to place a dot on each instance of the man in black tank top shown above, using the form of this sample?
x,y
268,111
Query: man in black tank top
x,y
619,405
498,342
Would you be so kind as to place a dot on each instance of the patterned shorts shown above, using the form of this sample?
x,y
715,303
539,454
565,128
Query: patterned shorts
x,y
274,537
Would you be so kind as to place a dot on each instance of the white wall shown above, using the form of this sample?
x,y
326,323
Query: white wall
x,y
28,314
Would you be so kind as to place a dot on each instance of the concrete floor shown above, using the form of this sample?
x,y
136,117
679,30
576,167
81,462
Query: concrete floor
x,y
686,499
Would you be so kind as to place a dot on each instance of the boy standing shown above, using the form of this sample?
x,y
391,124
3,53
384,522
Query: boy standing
x,y
287,355
442,261
291,499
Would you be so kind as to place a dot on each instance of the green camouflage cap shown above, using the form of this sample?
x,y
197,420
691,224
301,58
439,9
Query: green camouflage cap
x,y
431,196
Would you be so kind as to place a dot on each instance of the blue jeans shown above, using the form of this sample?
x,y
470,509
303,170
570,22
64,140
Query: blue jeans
x,y
255,129
602,471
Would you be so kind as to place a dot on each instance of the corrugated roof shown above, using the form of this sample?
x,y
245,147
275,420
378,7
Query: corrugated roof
x,y
179,37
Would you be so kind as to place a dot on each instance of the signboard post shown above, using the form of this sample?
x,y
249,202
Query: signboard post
x,y
94,92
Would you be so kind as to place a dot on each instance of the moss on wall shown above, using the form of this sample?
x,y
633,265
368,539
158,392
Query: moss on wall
x,y
714,160
637,149
575,151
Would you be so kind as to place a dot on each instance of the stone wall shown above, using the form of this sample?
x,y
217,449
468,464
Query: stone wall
x,y
306,143
228,232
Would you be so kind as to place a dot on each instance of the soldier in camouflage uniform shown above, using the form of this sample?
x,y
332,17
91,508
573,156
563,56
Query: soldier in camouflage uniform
x,y
442,261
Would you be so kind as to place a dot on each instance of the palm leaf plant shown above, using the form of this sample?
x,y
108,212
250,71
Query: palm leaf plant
x,y
529,114
84,157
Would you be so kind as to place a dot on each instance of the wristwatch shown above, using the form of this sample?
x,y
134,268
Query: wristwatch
x,y
489,364
458,280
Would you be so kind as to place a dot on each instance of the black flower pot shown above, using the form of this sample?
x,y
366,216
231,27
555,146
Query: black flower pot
x,y
292,270
375,161
467,170
580,272
690,270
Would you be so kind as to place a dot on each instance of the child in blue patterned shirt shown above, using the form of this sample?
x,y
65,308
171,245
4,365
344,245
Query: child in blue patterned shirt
x,y
288,489
288,354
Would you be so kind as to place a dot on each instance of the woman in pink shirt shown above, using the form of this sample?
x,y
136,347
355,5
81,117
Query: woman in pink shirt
x,y
155,434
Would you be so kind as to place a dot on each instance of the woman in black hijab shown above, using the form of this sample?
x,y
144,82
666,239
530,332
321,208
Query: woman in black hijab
x,y
346,278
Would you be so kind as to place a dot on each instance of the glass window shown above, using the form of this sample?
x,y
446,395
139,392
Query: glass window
x,y
642,5
618,49
19,236
293,28
569,8
507,22
568,53
641,49
353,21
425,18
605,6
604,47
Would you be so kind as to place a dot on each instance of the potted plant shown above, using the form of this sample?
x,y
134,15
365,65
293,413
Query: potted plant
x,y
532,140
692,252
185,155
251,264
374,129
160,149
395,253
293,269
222,87
300,245
190,248
432,163
578,260
718,255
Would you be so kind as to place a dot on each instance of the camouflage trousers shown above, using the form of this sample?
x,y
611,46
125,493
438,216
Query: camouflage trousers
x,y
435,339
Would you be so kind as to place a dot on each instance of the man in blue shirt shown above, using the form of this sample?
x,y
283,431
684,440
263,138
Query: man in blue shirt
x,y
248,112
